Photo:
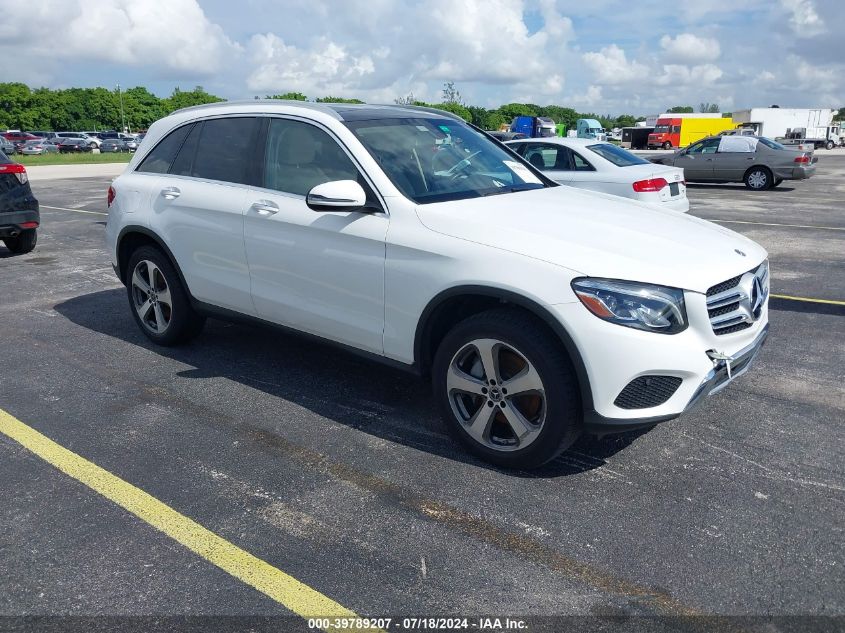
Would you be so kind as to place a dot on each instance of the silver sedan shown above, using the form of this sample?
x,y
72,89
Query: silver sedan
x,y
759,162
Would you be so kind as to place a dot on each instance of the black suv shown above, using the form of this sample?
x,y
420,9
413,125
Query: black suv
x,y
19,217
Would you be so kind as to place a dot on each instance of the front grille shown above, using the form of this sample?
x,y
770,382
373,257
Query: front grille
x,y
735,304
647,391
725,285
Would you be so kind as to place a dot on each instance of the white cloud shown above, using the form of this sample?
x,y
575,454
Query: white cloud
x,y
805,20
687,48
611,66
474,41
174,34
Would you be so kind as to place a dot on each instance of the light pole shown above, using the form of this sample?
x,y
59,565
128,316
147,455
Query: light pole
x,y
122,120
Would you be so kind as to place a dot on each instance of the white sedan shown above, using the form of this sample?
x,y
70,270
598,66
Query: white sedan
x,y
604,167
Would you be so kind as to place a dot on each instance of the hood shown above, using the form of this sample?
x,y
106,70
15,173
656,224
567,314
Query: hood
x,y
599,235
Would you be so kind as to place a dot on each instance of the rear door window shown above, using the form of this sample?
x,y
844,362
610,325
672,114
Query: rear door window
x,y
226,149
184,162
158,161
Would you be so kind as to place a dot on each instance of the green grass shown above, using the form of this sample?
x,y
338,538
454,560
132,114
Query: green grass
x,y
71,159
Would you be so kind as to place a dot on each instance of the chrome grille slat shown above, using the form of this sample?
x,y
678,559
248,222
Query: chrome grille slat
x,y
728,301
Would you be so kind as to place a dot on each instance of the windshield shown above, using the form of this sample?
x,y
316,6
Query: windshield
x,y
770,143
616,155
435,160
661,128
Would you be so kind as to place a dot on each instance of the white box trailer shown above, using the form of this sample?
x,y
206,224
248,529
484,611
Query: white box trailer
x,y
793,125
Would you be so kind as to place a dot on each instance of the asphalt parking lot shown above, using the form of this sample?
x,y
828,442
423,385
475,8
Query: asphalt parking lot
x,y
339,473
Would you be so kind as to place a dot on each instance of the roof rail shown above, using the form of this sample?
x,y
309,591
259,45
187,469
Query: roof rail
x,y
309,105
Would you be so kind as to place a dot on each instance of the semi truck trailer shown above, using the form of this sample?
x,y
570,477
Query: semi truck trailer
x,y
792,126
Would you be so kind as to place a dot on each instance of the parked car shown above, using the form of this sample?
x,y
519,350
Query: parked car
x,y
760,163
110,145
539,311
6,146
18,139
41,133
506,136
93,141
41,146
19,217
131,144
70,145
605,167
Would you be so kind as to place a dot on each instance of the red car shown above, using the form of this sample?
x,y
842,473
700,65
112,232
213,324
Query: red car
x,y
19,138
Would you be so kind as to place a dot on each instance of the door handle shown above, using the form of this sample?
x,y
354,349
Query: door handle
x,y
265,208
170,193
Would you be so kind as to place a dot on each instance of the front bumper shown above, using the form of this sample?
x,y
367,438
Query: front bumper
x,y
615,356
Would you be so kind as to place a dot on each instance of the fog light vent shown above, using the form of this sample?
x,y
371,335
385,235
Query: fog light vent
x,y
647,391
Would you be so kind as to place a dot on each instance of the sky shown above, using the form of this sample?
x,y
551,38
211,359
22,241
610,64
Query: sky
x,y
604,56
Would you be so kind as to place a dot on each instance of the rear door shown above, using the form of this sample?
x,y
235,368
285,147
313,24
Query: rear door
x,y
198,206
320,272
733,158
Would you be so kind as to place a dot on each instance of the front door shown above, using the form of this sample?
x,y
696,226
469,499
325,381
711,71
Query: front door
x,y
320,272
697,159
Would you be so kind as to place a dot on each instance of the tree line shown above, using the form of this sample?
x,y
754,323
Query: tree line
x,y
102,109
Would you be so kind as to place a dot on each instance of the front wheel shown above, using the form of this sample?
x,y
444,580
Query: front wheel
x,y
159,301
24,242
830,145
758,178
667,145
506,389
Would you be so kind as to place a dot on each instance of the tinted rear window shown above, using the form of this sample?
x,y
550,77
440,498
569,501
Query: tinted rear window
x,y
184,162
225,149
616,155
158,161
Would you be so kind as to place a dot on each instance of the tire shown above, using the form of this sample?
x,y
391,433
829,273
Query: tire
x,y
168,319
92,145
667,145
547,415
830,145
758,178
23,243
776,182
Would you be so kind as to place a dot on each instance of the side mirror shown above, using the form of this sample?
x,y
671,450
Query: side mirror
x,y
337,195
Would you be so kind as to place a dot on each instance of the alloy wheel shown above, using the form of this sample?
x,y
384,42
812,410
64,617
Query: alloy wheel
x,y
496,394
151,297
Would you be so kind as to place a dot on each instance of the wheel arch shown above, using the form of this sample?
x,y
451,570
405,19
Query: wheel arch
x,y
455,304
132,237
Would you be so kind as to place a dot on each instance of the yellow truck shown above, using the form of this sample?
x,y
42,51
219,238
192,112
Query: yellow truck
x,y
677,130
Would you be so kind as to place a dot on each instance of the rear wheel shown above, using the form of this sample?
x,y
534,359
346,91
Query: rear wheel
x,y
758,178
22,243
158,300
506,389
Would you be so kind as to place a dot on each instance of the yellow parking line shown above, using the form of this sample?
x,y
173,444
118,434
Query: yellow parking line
x,y
287,590
793,226
809,300
44,206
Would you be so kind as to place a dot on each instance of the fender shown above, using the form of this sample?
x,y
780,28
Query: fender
x,y
424,325
136,228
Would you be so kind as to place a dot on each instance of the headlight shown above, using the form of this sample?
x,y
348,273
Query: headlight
x,y
641,306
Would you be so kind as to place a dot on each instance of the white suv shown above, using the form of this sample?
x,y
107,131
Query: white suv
x,y
539,311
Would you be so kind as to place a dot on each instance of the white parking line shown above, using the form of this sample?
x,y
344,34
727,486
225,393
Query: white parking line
x,y
794,226
44,206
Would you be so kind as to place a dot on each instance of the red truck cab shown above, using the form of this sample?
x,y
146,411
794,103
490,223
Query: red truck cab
x,y
667,134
